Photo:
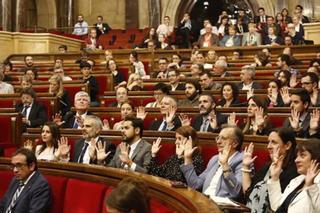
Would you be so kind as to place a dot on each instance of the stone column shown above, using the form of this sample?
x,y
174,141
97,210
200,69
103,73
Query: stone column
x,y
7,15
20,4
70,13
154,13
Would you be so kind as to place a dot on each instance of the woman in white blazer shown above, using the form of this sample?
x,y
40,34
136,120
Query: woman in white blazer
x,y
303,192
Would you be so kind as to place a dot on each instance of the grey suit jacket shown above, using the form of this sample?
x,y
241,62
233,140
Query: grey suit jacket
x,y
35,196
141,157
227,187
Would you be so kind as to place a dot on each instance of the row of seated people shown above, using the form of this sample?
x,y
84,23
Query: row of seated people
x,y
228,174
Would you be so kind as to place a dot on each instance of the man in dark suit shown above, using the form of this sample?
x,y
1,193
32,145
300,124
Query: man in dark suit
x,y
102,28
85,148
134,153
247,79
300,118
170,121
261,18
208,120
207,83
121,96
75,119
34,113
28,191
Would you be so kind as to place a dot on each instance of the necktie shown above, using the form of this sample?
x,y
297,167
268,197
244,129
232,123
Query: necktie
x,y
204,125
24,111
75,125
15,197
164,127
83,151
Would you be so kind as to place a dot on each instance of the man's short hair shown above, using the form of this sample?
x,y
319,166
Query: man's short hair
x,y
196,84
174,101
250,69
200,67
82,94
100,16
238,135
84,64
261,8
30,156
221,63
25,57
96,121
303,94
162,87
63,47
313,77
208,94
126,89
136,123
206,72
286,58
29,91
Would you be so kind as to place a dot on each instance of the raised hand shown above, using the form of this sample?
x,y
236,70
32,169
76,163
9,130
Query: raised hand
x,y
106,125
232,119
170,114
273,97
184,119
213,120
141,112
101,151
188,150
28,144
285,95
57,118
247,156
155,147
63,148
225,154
294,119
80,121
293,81
312,172
250,93
276,165
314,120
259,119
124,153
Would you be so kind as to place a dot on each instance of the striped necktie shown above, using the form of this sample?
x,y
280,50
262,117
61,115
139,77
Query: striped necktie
x,y
15,197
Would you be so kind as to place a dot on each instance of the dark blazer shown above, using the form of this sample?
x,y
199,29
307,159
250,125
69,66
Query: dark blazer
x,y
37,116
257,19
105,28
35,196
156,124
113,104
255,85
278,40
236,40
64,104
70,118
93,86
244,28
198,120
141,157
80,143
304,132
297,39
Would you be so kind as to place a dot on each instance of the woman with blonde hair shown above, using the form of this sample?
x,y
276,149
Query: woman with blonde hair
x,y
56,89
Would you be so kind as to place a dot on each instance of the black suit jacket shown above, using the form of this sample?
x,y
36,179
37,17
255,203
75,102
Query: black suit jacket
x,y
156,124
37,116
221,119
255,85
70,118
304,131
105,27
80,143
35,196
64,103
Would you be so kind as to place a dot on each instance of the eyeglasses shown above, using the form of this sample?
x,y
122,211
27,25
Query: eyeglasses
x,y
221,138
17,166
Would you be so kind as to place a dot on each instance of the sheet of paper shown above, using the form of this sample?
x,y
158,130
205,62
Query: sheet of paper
x,y
223,201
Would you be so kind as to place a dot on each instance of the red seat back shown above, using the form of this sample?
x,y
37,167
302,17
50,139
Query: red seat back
x,y
58,188
83,196
5,177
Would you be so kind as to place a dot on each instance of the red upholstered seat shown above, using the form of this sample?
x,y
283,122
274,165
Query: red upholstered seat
x,y
6,103
58,187
262,157
207,151
5,122
5,179
166,151
83,197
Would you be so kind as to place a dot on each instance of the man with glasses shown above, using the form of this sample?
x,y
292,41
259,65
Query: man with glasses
x,y
310,82
28,191
222,177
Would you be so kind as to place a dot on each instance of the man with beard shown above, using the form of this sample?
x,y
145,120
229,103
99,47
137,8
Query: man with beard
x,y
168,109
121,96
28,60
81,27
133,154
208,120
85,149
192,91
207,82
